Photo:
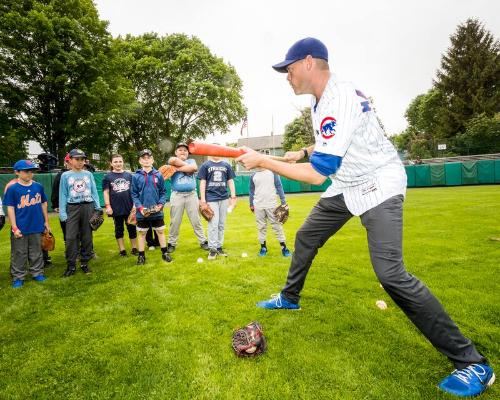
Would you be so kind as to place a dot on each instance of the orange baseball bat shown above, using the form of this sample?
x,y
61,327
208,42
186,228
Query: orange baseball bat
x,y
217,150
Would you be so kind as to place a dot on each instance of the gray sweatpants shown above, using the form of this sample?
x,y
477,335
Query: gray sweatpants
x,y
180,201
262,215
23,250
217,223
384,226
78,233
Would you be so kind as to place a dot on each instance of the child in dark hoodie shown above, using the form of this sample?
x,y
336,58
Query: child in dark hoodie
x,y
149,196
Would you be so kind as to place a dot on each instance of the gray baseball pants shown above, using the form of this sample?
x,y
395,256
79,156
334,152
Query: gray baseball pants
x,y
180,201
78,233
384,227
217,223
26,249
262,215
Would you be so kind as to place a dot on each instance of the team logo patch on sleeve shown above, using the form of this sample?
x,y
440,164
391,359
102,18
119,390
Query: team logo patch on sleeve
x,y
327,127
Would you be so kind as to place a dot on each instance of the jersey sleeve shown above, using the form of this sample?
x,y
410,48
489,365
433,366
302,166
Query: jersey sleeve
x,y
202,172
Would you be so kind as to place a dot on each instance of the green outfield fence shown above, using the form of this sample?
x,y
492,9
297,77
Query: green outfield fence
x,y
448,174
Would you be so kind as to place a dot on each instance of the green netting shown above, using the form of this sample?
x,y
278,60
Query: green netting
x,y
422,175
410,175
453,173
438,175
305,187
242,184
469,173
486,171
497,171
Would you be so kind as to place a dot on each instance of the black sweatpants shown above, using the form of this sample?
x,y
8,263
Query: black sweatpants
x,y
384,227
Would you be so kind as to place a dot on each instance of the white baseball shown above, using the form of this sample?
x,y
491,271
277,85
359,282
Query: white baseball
x,y
251,350
199,260
230,209
244,255
381,304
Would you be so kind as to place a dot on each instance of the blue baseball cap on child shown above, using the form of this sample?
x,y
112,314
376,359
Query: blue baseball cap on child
x,y
77,153
300,50
25,165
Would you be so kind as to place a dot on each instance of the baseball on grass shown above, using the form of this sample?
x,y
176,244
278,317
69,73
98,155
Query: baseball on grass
x,y
244,255
381,304
251,350
199,260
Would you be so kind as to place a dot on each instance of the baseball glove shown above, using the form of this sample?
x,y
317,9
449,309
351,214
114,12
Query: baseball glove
x,y
132,219
96,220
206,211
282,213
48,241
147,211
249,341
167,171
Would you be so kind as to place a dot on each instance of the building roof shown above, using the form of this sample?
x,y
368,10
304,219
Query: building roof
x,y
262,142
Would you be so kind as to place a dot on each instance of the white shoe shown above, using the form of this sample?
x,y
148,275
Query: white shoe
x,y
151,248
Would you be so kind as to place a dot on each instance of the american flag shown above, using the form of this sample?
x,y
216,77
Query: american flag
x,y
244,125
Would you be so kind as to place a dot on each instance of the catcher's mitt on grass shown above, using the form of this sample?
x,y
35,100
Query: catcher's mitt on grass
x,y
249,341
206,211
167,171
132,219
96,220
281,213
48,241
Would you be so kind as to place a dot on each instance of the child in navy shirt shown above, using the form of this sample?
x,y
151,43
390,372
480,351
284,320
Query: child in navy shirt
x,y
215,177
27,209
116,186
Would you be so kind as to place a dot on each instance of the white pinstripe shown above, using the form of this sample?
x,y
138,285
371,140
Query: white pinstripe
x,y
371,171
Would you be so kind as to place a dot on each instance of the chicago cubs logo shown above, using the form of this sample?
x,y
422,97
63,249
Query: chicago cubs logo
x,y
327,127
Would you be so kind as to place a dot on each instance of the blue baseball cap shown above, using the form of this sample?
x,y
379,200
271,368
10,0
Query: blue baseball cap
x,y
77,153
300,50
25,165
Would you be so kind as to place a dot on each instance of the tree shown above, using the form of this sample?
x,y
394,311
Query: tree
x,y
13,146
182,90
482,135
57,82
469,78
299,132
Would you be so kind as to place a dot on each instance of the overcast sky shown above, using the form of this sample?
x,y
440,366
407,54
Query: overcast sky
x,y
390,49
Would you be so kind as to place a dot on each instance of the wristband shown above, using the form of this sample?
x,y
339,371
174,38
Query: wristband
x,y
306,154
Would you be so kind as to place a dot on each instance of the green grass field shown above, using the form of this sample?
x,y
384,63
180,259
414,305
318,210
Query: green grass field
x,y
163,331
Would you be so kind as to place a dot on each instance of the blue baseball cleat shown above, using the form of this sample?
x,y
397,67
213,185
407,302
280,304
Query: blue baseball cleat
x,y
468,382
263,251
17,283
286,252
278,302
39,278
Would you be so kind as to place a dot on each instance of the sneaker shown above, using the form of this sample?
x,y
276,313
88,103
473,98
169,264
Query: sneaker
x,y
204,246
141,260
286,252
39,278
151,248
263,252
212,255
47,262
170,248
166,257
278,302
17,283
85,268
221,252
470,381
134,251
123,253
69,271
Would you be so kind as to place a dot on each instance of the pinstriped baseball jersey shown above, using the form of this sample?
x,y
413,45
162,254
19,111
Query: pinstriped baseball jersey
x,y
345,125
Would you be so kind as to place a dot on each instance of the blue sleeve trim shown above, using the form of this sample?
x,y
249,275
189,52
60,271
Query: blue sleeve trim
x,y
325,164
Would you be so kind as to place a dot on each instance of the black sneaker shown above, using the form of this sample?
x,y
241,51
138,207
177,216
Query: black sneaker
x,y
170,248
85,268
204,246
69,271
47,262
166,257
134,252
123,253
221,252
212,255
141,260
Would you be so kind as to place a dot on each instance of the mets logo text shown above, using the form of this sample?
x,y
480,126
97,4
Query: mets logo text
x,y
327,127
